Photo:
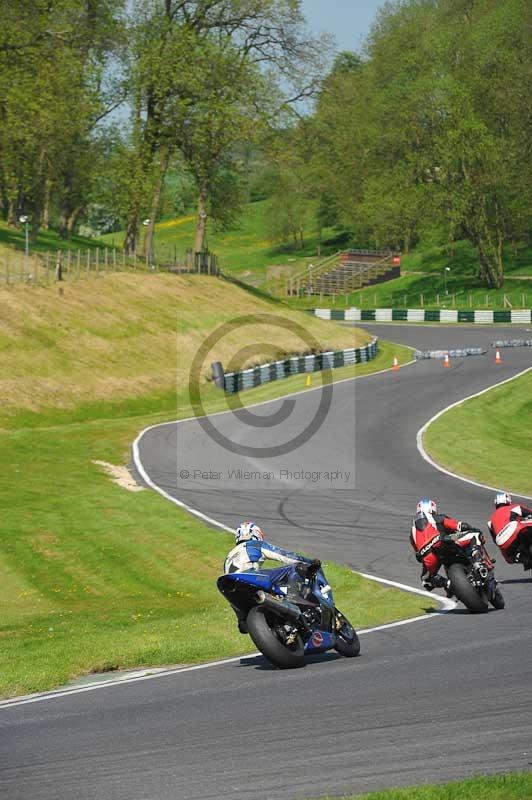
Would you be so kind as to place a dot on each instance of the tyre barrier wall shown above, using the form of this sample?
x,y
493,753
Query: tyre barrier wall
x,y
512,343
422,315
297,365
467,351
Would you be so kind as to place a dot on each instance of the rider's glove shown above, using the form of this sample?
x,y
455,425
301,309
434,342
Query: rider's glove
x,y
313,567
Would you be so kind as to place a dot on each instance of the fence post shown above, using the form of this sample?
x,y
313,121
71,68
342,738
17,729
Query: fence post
x,y
58,267
78,264
7,269
97,262
106,261
69,264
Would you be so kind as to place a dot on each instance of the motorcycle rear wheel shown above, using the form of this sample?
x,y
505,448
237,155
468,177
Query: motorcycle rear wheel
x,y
261,627
465,592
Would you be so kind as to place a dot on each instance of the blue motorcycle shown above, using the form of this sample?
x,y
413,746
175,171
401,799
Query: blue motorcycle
x,y
289,612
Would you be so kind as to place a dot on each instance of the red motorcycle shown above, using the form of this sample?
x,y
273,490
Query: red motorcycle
x,y
515,542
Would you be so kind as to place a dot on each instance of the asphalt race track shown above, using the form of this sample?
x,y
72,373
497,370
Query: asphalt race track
x,y
439,699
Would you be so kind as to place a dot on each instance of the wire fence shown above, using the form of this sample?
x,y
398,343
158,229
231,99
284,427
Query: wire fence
x,y
515,299
17,267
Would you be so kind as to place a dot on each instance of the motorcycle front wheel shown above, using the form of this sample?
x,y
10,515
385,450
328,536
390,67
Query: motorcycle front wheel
x,y
347,641
264,629
464,590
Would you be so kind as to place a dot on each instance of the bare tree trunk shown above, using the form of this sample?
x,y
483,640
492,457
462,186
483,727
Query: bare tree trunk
x,y
201,224
155,202
46,209
11,213
132,231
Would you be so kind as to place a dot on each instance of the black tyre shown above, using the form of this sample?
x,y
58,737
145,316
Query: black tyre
x,y
347,642
261,627
464,590
497,600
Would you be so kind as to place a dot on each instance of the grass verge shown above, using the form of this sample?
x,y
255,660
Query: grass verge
x,y
95,578
497,430
500,787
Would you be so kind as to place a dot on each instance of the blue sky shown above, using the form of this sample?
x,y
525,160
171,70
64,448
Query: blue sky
x,y
348,20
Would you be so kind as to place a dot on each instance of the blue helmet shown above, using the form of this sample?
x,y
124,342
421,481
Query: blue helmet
x,y
426,506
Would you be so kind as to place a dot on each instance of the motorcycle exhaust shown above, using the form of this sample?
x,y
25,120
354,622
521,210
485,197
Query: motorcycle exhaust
x,y
281,607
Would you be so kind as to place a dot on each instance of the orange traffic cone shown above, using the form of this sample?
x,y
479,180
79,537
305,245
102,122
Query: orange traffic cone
x,y
396,366
446,360
498,359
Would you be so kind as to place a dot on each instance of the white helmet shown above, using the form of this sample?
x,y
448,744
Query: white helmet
x,y
426,506
502,499
247,531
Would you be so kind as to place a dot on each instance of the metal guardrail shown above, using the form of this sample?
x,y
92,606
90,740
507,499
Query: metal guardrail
x,y
295,365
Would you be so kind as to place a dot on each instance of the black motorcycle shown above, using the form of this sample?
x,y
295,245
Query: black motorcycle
x,y
471,574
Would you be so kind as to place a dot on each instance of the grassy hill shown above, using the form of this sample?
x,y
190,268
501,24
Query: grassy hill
x,y
247,252
123,337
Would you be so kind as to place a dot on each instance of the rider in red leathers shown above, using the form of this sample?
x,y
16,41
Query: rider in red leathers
x,y
505,526
428,526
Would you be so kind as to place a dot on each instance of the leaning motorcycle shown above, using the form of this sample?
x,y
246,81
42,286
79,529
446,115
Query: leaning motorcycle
x,y
288,619
471,574
516,536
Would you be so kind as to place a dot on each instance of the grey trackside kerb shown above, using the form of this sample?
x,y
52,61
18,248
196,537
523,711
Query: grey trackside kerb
x,y
297,365
421,432
421,315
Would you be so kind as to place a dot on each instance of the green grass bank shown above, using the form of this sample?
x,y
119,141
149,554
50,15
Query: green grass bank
x,y
498,787
498,429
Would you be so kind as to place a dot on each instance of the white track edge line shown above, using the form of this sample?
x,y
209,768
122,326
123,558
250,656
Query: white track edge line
x,y
421,432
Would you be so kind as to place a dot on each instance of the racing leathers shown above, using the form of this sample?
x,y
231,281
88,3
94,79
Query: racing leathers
x,y
251,554
427,531
505,526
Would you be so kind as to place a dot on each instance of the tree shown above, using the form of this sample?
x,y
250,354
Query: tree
x,y
183,59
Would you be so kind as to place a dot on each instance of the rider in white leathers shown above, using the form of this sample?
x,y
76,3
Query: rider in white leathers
x,y
250,553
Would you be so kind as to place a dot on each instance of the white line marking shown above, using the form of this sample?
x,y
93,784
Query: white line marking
x,y
421,432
